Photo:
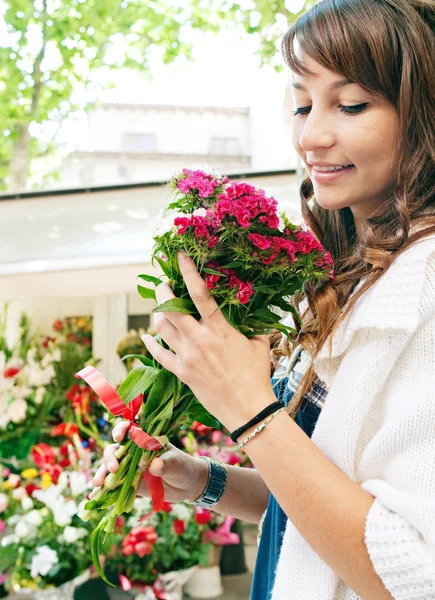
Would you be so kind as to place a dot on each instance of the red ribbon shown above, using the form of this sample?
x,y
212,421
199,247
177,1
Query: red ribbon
x,y
116,406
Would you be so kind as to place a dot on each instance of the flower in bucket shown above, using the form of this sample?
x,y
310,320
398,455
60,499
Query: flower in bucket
x,y
252,259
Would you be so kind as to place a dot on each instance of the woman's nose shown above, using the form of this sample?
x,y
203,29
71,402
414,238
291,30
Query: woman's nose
x,y
317,132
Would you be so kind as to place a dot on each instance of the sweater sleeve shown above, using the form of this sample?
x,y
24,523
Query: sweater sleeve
x,y
397,467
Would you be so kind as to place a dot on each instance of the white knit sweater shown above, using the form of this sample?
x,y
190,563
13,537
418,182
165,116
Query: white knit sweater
x,y
378,427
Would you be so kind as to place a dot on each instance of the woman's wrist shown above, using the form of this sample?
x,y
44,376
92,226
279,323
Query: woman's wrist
x,y
200,480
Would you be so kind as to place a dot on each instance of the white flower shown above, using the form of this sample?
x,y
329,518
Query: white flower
x,y
180,511
72,534
44,559
33,518
163,222
56,355
200,212
78,483
19,493
23,530
142,506
13,480
63,514
17,410
281,225
27,503
4,501
39,396
20,392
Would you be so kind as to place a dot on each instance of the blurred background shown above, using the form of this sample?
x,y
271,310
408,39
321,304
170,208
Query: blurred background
x,y
101,102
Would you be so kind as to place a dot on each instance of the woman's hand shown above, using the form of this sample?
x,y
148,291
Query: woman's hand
x,y
184,477
227,372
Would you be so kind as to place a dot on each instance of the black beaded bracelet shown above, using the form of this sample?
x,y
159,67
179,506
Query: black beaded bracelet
x,y
261,415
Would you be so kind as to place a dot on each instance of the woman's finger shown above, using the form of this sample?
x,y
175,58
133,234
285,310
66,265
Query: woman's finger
x,y
99,476
181,321
110,460
120,430
167,332
94,492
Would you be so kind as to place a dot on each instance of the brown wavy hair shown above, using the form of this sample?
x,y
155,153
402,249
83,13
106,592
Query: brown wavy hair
x,y
387,47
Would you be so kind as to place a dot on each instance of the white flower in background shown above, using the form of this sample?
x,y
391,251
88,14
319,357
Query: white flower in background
x,y
20,392
4,502
72,534
63,510
44,559
56,355
2,361
200,212
19,493
64,514
17,410
13,480
33,518
180,511
27,503
39,396
4,418
162,223
281,225
142,506
78,483
23,530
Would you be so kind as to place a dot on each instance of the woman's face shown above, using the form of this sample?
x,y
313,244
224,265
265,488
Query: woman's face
x,y
346,138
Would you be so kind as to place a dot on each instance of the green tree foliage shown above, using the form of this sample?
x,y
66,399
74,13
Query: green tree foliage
x,y
50,50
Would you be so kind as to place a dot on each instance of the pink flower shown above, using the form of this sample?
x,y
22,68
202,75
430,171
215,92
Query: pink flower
x,y
245,292
213,241
234,281
259,241
269,260
216,436
273,221
182,223
307,242
325,261
211,280
243,218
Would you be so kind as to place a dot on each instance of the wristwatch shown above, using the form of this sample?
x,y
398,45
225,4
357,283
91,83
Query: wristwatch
x,y
217,480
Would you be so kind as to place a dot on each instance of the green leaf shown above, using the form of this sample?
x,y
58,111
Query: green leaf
x,y
182,305
232,265
146,293
95,550
213,272
151,279
287,307
143,359
226,312
265,315
8,557
161,391
165,267
138,381
200,414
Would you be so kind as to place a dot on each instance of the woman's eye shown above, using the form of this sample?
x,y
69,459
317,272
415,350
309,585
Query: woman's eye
x,y
347,110
354,109
302,111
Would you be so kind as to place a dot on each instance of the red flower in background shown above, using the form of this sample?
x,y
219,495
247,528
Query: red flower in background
x,y
139,541
201,429
202,516
67,429
58,325
10,372
179,526
43,455
80,398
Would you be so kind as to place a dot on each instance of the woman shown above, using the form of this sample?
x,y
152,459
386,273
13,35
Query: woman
x,y
349,479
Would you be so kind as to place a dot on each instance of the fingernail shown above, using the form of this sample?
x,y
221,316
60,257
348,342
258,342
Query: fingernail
x,y
145,338
181,257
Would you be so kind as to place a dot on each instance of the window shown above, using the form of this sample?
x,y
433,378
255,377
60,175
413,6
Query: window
x,y
139,142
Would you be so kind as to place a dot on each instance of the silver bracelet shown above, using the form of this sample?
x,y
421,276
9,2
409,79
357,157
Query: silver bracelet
x,y
260,428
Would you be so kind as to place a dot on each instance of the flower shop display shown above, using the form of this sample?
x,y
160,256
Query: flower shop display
x,y
252,259
44,545
131,345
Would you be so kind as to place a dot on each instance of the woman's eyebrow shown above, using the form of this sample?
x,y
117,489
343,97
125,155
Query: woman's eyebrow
x,y
336,85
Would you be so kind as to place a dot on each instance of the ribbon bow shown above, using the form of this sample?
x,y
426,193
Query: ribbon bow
x,y
116,406
223,536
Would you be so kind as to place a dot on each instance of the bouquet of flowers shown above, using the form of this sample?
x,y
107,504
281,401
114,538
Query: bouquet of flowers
x,y
252,259
43,543
143,551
